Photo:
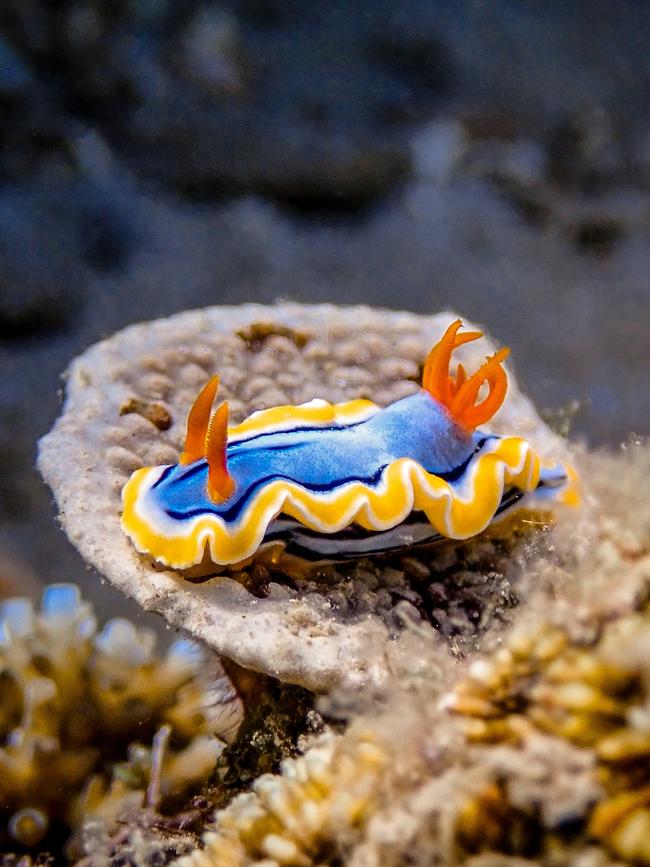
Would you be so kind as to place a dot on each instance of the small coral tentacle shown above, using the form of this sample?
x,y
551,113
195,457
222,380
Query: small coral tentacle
x,y
220,483
197,423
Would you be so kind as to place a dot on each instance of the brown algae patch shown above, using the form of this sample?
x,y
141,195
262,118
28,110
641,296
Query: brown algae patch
x,y
256,334
153,412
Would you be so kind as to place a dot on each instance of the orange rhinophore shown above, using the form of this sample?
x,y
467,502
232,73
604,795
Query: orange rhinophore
x,y
220,482
207,437
459,395
197,423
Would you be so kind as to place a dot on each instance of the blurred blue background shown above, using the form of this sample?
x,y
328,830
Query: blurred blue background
x,y
492,157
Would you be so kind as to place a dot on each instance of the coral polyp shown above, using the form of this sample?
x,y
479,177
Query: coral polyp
x,y
295,817
597,697
91,716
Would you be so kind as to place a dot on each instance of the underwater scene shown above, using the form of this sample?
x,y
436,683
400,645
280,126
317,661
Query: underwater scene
x,y
324,524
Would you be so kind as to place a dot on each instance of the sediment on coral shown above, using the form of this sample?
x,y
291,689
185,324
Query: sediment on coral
x,y
94,721
535,753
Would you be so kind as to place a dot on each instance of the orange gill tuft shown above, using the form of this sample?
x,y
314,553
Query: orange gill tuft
x,y
459,396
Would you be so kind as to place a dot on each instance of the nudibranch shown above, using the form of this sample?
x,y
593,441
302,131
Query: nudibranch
x,y
339,481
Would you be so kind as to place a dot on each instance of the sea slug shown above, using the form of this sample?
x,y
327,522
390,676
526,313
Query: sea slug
x,y
339,481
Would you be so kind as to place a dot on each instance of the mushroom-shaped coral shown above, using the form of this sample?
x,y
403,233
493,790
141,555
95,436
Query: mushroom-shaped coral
x,y
301,352
88,717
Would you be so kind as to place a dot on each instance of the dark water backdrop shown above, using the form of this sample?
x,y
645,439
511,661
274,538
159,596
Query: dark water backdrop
x,y
164,154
